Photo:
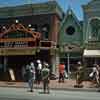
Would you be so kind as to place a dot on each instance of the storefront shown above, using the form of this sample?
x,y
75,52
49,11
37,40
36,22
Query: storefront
x,y
18,47
91,57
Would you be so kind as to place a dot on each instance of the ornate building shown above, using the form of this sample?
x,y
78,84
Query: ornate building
x,y
91,32
27,33
70,40
80,40
42,31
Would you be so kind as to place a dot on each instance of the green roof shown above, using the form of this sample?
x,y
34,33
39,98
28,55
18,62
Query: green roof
x,y
50,7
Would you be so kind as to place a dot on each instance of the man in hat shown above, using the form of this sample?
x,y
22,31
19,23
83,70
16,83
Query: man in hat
x,y
79,75
45,77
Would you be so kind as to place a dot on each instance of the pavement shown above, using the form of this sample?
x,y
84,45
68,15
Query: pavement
x,y
7,93
54,84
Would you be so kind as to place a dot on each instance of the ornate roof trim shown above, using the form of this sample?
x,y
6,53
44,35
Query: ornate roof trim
x,y
19,27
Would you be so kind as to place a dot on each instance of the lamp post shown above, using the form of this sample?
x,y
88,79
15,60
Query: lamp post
x,y
67,49
68,63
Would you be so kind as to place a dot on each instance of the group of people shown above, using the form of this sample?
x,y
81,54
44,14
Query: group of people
x,y
94,75
35,73
40,72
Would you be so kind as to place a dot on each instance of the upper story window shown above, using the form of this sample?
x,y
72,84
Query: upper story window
x,y
70,30
33,27
17,34
95,28
45,31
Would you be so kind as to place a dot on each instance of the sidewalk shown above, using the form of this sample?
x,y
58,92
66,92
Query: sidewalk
x,y
67,85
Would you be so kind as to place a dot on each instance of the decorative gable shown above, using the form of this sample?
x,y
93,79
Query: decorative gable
x,y
70,30
18,28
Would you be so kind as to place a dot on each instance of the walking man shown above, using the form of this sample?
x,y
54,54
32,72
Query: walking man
x,y
45,77
30,70
38,72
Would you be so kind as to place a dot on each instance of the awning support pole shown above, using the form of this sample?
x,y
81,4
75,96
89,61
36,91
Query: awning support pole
x,y
68,64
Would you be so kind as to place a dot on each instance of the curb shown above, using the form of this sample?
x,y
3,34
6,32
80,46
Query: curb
x,y
61,89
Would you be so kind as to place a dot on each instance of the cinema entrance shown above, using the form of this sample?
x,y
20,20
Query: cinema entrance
x,y
18,46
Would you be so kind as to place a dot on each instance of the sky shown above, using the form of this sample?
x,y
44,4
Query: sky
x,y
76,5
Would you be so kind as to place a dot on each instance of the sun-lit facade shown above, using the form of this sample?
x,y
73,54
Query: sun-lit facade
x,y
42,31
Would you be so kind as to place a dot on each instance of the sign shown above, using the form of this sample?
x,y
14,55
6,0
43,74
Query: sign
x,y
12,74
16,51
15,44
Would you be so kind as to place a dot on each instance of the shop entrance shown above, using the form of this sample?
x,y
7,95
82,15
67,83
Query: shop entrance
x,y
17,65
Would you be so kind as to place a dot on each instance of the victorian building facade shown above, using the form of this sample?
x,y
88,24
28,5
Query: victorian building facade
x,y
27,33
91,32
80,40
42,31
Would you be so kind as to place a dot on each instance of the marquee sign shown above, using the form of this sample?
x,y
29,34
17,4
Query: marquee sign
x,y
17,51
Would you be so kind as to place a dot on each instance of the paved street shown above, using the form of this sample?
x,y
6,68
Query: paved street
x,y
68,84
7,93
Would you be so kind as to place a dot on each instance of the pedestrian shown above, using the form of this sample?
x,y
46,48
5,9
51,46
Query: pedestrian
x,y
95,74
38,72
79,75
30,70
61,72
45,77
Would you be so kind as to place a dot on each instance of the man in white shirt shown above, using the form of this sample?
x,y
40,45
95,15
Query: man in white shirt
x,y
39,68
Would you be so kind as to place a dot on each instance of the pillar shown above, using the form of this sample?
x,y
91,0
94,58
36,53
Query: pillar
x,y
55,63
5,64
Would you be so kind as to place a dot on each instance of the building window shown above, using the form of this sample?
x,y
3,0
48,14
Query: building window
x,y
33,27
95,28
17,34
45,31
70,30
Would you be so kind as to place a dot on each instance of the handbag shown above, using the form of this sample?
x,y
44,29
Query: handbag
x,y
91,74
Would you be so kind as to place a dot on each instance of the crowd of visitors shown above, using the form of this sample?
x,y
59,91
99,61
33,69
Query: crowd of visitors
x,y
37,72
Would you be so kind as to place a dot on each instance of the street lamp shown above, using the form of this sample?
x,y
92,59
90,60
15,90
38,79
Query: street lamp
x,y
67,49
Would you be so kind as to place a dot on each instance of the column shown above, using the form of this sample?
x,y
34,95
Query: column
x,y
5,63
54,28
68,63
55,63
